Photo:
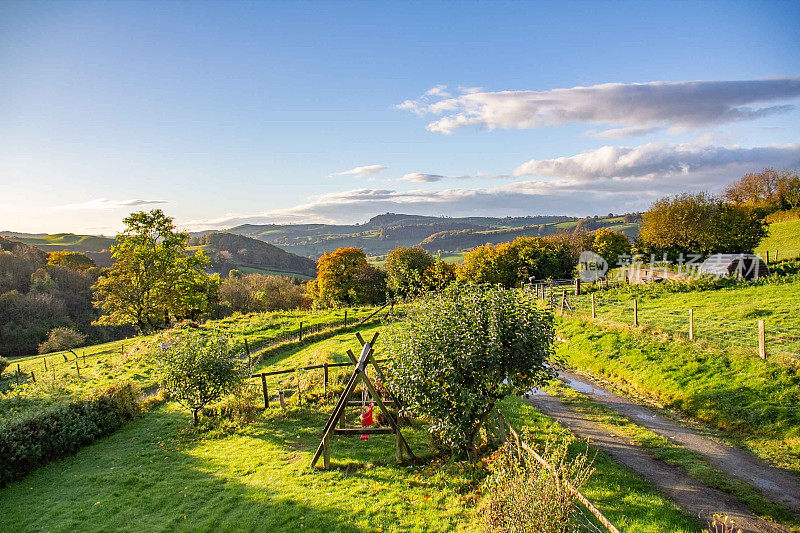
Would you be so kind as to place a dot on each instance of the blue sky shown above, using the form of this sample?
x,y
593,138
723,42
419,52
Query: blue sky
x,y
248,112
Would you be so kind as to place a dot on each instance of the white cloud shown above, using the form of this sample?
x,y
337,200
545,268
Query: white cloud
x,y
361,172
103,204
636,107
659,160
608,179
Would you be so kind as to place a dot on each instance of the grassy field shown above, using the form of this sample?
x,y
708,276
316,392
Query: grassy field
x,y
157,473
752,402
784,237
120,361
728,316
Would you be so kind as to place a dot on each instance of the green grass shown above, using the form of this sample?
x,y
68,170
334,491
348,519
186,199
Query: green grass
x,y
154,475
783,237
751,401
661,448
106,363
70,241
728,315
157,473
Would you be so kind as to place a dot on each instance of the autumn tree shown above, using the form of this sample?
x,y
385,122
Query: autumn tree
x,y
512,263
610,245
345,278
699,224
405,269
769,190
153,277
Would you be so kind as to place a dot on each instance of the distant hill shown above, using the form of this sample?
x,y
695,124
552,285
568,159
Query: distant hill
x,y
384,232
98,248
228,251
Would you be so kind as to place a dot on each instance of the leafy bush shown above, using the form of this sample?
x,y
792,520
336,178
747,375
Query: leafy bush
x,y
62,339
256,293
524,496
461,351
4,363
197,370
37,437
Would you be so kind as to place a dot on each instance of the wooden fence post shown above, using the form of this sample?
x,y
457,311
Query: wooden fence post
x,y
325,377
18,373
563,301
77,367
577,286
299,395
280,399
265,391
762,339
33,376
767,256
301,331
345,318
45,363
593,312
84,358
776,256
691,323
635,312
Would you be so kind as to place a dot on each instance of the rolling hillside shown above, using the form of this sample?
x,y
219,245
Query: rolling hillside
x,y
382,233
784,237
228,251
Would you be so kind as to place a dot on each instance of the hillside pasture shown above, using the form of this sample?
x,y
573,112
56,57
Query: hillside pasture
x,y
158,473
784,238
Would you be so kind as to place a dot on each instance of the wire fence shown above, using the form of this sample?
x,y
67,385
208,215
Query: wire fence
x,y
100,361
756,336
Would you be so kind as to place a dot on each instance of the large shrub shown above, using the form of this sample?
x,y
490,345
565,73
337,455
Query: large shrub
x,y
197,370
461,351
37,437
61,339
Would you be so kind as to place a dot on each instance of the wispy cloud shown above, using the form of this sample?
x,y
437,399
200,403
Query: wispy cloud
x,y
361,172
658,160
635,108
100,204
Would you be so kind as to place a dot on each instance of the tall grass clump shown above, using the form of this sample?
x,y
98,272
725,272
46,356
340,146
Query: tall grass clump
x,y
523,495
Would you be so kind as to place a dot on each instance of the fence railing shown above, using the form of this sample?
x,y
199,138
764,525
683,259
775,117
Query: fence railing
x,y
77,363
594,511
756,336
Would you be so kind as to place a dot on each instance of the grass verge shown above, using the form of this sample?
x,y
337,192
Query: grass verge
x,y
752,402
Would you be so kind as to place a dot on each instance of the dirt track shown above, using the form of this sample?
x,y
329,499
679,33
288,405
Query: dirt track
x,y
688,493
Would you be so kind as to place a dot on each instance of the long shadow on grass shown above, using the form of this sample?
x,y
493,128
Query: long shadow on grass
x,y
148,478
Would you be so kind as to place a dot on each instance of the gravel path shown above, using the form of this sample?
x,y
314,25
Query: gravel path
x,y
689,494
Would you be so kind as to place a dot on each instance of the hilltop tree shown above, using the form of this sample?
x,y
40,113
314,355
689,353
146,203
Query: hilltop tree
x,y
769,190
345,278
153,277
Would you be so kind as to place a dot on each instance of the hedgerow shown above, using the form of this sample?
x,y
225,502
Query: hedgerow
x,y
34,438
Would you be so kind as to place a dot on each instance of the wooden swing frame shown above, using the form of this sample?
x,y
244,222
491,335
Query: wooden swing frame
x,y
366,358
